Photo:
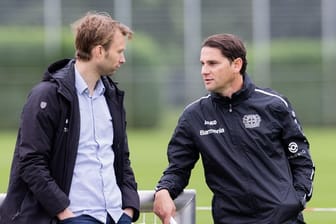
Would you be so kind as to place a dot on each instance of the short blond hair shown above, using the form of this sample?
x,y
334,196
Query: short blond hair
x,y
96,28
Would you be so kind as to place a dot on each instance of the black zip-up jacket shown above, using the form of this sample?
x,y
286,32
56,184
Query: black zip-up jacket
x,y
256,158
46,150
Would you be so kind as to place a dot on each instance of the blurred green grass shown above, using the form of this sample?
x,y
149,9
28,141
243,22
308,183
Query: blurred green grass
x,y
148,158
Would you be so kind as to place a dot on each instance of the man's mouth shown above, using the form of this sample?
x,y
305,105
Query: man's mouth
x,y
208,80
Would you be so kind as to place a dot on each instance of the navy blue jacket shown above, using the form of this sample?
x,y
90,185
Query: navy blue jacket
x,y
256,158
46,149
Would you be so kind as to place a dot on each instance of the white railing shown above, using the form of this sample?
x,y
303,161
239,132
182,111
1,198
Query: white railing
x,y
185,206
2,197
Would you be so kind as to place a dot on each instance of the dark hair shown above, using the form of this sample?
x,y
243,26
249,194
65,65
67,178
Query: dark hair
x,y
96,29
230,46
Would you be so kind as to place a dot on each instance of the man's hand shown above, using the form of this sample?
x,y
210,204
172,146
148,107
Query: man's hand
x,y
164,206
66,213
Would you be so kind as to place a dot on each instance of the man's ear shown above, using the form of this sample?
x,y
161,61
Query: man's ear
x,y
237,64
97,51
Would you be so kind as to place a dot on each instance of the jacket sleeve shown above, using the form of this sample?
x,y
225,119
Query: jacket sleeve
x,y
130,194
298,153
182,157
37,128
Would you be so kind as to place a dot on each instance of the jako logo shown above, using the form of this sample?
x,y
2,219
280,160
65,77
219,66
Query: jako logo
x,y
214,122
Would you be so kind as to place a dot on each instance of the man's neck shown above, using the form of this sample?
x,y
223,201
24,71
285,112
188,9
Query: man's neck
x,y
235,86
88,73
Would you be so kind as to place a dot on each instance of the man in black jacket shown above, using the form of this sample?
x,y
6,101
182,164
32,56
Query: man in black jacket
x,y
71,161
256,158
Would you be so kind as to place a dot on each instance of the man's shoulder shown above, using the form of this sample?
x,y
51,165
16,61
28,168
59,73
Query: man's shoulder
x,y
270,96
45,88
196,108
196,104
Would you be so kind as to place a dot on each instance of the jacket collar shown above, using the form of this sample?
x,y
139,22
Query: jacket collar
x,y
63,73
237,97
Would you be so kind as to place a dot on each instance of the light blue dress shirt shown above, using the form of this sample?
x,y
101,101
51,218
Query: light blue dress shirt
x,y
94,190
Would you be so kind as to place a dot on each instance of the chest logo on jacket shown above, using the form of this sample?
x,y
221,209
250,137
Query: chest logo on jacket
x,y
251,120
213,122
211,130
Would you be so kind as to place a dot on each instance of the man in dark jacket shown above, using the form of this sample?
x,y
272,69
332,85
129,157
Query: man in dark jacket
x,y
256,158
71,161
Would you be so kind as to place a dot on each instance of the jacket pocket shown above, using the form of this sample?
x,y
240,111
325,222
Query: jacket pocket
x,y
30,211
289,208
18,212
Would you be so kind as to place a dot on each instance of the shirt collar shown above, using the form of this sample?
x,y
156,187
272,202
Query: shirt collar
x,y
82,87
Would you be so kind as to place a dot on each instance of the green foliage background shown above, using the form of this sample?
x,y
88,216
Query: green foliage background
x,y
150,63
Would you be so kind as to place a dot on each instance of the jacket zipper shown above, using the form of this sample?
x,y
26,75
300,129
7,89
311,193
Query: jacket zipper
x,y
66,129
16,215
230,107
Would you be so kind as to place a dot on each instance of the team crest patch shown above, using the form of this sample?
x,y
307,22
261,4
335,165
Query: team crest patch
x,y
251,120
43,104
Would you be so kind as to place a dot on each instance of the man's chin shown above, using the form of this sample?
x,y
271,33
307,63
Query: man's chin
x,y
111,73
208,88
